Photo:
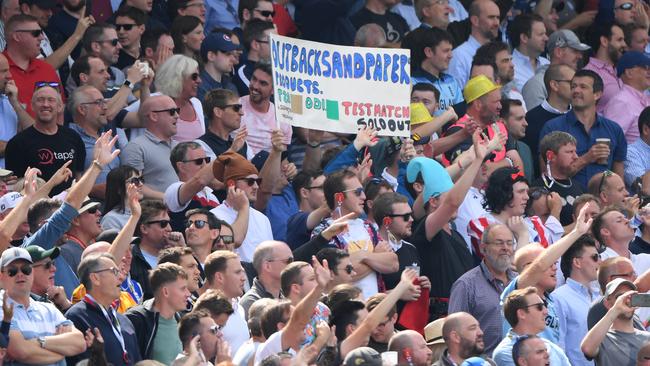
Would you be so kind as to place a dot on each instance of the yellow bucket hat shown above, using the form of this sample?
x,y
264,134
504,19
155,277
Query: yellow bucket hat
x,y
477,87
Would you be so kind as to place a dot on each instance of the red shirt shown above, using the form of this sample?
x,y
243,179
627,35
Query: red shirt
x,y
38,70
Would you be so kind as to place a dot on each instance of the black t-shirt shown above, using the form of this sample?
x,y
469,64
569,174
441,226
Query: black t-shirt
x,y
407,255
48,153
568,194
124,60
393,24
444,259
639,246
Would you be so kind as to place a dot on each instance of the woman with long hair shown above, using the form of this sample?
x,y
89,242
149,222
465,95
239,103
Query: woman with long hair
x,y
116,205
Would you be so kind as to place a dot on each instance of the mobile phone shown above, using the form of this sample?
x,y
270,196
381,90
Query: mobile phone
x,y
640,300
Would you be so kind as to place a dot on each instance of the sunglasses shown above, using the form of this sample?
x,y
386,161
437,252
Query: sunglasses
x,y
266,13
171,111
34,32
252,181
113,42
162,223
42,84
606,173
235,107
404,216
126,27
13,271
115,271
214,329
194,76
595,257
198,161
540,306
199,224
135,180
284,260
625,6
349,269
357,191
226,239
92,210
46,265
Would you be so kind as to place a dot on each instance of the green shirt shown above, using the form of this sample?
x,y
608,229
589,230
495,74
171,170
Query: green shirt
x,y
166,344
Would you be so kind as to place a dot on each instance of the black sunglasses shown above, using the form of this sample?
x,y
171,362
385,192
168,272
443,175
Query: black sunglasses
x,y
162,223
46,265
349,269
357,191
92,210
113,42
136,180
199,224
226,239
42,84
126,27
34,32
194,76
235,107
171,111
540,306
266,13
595,257
198,161
26,270
252,181
405,216
625,6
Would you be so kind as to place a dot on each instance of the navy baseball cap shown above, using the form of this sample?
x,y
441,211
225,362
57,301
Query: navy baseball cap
x,y
43,4
631,59
217,41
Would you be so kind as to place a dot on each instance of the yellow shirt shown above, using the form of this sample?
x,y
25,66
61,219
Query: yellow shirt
x,y
125,301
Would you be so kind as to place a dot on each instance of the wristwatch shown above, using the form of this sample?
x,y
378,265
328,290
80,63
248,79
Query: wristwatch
x,y
41,341
128,84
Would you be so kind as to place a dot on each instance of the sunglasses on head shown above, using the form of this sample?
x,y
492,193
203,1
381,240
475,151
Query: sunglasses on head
x,y
42,84
126,27
357,191
235,107
404,216
194,76
25,269
34,32
198,161
226,239
601,185
252,181
349,269
625,6
171,111
46,265
199,224
135,180
162,223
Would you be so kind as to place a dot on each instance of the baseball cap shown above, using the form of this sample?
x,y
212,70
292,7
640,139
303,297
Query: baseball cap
x,y
43,4
37,253
433,332
13,254
477,87
616,283
87,205
9,201
631,59
217,41
436,179
363,356
565,38
5,172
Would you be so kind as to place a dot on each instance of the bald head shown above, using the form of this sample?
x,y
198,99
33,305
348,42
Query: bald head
x,y
151,104
403,339
370,35
527,255
271,256
453,323
96,248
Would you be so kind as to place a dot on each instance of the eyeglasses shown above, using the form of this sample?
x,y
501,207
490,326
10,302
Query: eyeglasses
x,y
162,223
198,161
113,41
606,173
235,107
199,224
126,27
34,32
266,14
13,271
194,76
540,306
171,111
502,243
252,181
357,191
404,216
41,84
98,102
624,6
214,329
349,269
226,239
46,265
135,180
563,81
285,260
114,270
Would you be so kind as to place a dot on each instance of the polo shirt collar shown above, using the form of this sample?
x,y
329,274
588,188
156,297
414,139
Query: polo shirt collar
x,y
424,74
154,138
11,62
571,118
602,65
637,94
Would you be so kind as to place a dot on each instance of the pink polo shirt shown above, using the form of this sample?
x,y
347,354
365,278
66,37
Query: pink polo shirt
x,y
612,83
260,126
624,108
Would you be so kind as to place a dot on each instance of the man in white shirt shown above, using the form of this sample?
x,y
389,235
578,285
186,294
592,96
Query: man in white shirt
x,y
612,229
528,36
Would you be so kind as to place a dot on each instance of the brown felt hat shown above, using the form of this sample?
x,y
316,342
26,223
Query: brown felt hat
x,y
231,165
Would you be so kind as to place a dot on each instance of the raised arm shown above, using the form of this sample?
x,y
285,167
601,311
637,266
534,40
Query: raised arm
x,y
239,202
122,241
271,170
18,215
590,345
60,54
195,184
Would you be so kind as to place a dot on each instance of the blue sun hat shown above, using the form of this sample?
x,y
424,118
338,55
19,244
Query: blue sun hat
x,y
436,179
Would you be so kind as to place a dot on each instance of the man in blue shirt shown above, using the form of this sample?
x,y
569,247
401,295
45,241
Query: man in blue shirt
x,y
586,126
219,57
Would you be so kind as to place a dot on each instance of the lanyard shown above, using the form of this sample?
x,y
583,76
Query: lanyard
x,y
77,240
115,324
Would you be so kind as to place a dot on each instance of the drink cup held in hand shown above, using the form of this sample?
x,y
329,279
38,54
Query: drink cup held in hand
x,y
389,358
604,141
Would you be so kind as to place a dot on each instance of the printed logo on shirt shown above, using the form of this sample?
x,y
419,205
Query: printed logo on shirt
x,y
47,156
